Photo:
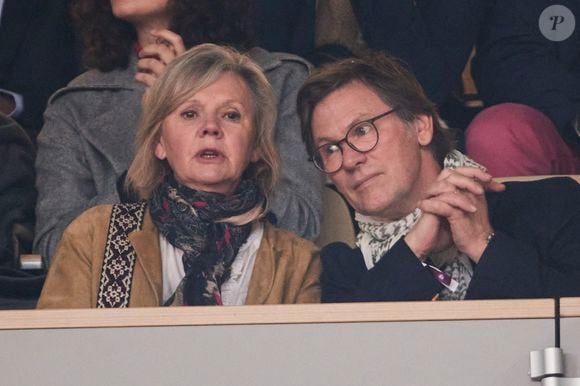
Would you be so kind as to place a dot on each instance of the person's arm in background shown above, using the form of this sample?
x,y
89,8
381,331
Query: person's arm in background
x,y
72,173
297,201
434,37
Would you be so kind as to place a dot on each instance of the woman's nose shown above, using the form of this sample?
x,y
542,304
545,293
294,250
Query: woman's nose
x,y
211,128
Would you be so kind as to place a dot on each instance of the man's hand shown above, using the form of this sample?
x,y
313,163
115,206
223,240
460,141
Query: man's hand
x,y
454,212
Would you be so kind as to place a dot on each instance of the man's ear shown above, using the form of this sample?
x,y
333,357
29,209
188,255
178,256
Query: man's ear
x,y
424,127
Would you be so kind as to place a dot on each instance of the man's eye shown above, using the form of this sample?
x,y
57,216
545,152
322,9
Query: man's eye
x,y
361,130
233,115
189,114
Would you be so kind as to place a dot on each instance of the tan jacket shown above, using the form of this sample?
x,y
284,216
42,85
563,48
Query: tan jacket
x,y
286,270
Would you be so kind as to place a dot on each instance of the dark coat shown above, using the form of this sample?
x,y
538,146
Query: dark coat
x,y
18,289
515,62
17,191
434,37
37,54
535,253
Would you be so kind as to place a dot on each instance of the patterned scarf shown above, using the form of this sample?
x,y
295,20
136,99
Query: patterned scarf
x,y
209,228
376,238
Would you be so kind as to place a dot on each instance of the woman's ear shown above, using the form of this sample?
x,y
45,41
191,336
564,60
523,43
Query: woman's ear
x,y
160,150
255,156
424,127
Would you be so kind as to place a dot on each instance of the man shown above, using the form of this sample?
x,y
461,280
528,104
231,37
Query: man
x,y
433,223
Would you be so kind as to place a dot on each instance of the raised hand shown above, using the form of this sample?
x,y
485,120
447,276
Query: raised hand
x,y
154,57
457,201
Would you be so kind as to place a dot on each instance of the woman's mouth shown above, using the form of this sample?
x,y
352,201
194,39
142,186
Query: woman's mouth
x,y
209,154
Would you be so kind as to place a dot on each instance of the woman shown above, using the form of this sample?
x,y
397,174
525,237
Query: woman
x,y
205,167
87,141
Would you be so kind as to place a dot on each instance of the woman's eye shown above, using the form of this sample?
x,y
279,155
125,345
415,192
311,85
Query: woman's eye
x,y
189,114
233,115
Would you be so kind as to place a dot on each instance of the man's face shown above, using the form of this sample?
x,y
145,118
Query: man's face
x,y
387,182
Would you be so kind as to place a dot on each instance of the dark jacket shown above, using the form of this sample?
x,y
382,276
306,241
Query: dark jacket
x,y
515,62
535,253
17,192
434,37
18,289
37,54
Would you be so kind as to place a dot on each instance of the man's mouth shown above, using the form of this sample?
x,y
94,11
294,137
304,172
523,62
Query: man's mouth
x,y
363,181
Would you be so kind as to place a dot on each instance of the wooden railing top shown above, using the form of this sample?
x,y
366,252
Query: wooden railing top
x,y
288,314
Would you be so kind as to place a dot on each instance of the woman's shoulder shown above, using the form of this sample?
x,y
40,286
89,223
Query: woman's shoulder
x,y
92,217
99,217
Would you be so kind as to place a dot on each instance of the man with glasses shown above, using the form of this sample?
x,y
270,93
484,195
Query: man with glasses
x,y
433,224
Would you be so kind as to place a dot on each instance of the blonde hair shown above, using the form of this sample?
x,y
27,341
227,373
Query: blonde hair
x,y
192,71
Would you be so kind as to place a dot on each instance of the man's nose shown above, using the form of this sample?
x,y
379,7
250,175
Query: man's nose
x,y
350,157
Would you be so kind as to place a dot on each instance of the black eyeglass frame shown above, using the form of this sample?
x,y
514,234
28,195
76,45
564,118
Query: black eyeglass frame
x,y
370,121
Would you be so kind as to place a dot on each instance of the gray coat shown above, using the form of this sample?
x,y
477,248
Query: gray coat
x,y
87,142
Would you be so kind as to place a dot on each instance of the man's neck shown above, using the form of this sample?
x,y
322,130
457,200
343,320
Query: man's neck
x,y
428,173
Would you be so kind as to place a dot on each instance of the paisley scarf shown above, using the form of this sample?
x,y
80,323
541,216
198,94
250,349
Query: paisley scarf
x,y
209,228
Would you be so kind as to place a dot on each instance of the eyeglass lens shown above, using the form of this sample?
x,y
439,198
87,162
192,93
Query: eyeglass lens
x,y
362,138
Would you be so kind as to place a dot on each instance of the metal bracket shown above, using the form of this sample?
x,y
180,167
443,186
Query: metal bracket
x,y
547,366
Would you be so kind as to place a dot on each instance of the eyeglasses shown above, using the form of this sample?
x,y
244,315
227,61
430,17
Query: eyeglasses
x,y
361,137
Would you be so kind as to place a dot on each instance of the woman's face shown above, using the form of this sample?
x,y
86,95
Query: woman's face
x,y
207,141
139,12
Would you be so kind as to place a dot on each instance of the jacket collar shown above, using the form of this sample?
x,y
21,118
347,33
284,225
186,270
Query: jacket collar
x,y
262,279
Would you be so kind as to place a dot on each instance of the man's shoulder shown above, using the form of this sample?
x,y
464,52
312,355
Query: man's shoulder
x,y
553,189
341,256
547,201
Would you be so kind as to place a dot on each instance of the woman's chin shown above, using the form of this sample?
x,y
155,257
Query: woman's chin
x,y
211,184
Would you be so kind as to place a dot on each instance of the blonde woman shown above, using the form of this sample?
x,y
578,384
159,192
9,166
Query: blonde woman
x,y
205,168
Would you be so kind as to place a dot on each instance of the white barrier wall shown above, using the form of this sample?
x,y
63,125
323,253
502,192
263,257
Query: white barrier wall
x,y
416,343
